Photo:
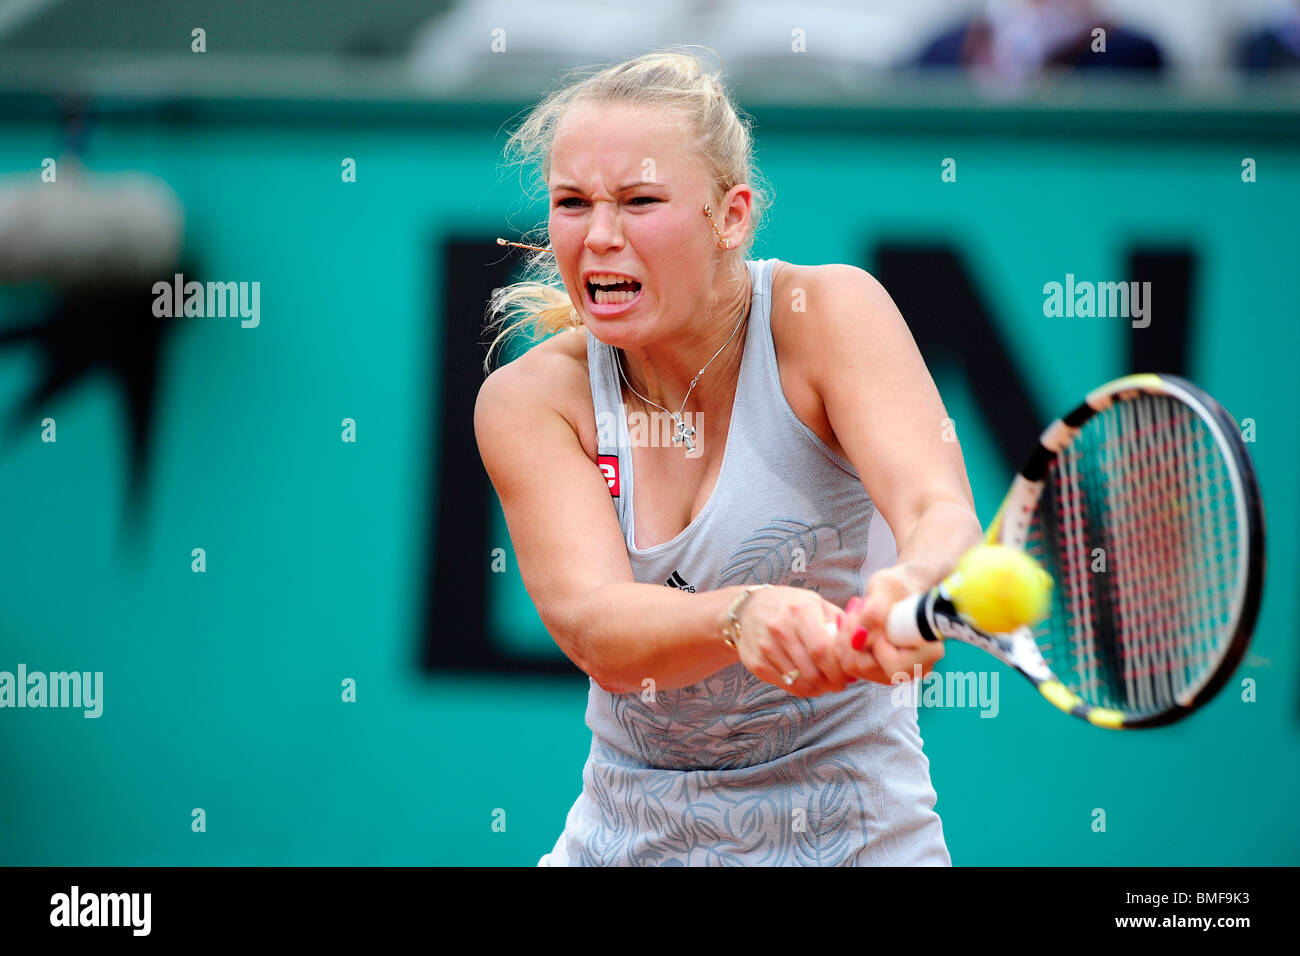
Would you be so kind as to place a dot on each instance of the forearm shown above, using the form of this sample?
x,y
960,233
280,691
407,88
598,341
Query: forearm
x,y
945,531
624,633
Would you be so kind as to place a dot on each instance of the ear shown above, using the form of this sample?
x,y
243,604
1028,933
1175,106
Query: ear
x,y
737,206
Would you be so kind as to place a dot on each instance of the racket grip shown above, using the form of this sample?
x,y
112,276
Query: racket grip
x,y
902,625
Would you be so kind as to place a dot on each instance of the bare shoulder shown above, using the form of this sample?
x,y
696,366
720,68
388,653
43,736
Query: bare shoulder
x,y
804,295
816,310
549,379
550,369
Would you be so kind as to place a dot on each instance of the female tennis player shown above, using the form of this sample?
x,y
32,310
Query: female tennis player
x,y
804,437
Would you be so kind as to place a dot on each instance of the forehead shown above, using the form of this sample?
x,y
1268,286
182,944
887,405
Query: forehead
x,y
601,140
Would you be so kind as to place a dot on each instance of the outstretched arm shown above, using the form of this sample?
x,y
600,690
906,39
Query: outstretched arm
x,y
574,562
886,413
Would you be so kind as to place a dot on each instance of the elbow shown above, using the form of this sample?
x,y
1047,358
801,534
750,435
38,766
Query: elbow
x,y
964,524
609,686
572,632
974,528
956,512
599,668
615,680
604,677
951,511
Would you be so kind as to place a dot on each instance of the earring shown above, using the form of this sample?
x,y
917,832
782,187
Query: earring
x,y
722,240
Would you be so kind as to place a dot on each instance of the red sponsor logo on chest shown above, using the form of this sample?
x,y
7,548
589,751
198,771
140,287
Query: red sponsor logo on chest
x,y
609,468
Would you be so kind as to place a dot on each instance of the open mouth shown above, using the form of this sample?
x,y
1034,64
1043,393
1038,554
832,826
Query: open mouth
x,y
612,289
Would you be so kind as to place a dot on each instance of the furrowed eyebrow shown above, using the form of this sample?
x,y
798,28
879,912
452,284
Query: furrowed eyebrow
x,y
570,188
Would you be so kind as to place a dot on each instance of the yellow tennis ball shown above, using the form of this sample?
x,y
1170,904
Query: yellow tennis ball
x,y
1000,588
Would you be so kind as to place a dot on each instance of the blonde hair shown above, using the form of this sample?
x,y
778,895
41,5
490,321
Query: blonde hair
x,y
676,79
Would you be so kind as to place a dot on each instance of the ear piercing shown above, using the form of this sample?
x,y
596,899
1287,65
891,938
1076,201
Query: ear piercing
x,y
723,241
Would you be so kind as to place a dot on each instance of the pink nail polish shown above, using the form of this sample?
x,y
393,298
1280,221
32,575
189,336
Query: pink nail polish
x,y
859,638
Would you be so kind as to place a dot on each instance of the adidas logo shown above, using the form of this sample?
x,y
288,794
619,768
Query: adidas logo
x,y
679,582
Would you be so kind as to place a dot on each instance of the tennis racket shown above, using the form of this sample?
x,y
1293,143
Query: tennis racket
x,y
1143,506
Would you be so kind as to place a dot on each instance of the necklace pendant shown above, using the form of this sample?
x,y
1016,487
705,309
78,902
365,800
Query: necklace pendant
x,y
684,434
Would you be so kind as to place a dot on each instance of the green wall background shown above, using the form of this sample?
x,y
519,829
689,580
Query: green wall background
x,y
222,689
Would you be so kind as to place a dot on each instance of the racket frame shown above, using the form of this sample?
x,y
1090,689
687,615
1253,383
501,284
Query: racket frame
x,y
934,615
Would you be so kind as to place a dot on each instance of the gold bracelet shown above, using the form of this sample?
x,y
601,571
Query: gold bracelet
x,y
731,630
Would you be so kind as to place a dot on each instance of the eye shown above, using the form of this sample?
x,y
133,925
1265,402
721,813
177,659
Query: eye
x,y
644,200
569,202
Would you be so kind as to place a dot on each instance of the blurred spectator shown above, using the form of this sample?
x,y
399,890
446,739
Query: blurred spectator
x,y
1275,46
1015,39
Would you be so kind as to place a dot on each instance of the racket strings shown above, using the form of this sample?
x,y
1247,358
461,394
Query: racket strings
x,y
1136,524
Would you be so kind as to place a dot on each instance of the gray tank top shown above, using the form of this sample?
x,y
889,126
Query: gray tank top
x,y
732,770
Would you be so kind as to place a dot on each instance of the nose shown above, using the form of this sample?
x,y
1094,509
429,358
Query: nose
x,y
604,232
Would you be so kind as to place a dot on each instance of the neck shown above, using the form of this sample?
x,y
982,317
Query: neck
x,y
663,371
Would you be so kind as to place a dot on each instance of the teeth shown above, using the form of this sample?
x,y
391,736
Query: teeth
x,y
609,278
613,298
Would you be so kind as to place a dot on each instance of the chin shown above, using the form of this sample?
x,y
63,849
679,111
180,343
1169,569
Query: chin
x,y
619,327
618,333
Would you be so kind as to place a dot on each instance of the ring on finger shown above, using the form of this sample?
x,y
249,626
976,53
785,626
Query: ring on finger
x,y
790,676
